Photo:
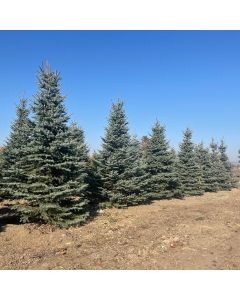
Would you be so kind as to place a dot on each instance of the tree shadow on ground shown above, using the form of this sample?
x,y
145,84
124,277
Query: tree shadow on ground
x,y
7,217
2,227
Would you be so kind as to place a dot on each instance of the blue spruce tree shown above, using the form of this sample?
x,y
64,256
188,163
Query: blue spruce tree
x,y
228,181
190,173
118,162
206,164
217,167
14,150
131,187
54,161
162,182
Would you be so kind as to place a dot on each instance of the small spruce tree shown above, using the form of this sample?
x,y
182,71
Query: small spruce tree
x,y
84,166
131,186
95,183
188,168
13,151
163,179
218,171
209,179
228,181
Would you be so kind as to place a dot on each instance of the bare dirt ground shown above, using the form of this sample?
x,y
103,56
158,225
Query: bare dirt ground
x,y
195,233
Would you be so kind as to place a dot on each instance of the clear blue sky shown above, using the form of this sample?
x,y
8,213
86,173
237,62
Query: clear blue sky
x,y
183,78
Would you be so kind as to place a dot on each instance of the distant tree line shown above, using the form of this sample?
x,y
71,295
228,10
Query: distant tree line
x,y
46,162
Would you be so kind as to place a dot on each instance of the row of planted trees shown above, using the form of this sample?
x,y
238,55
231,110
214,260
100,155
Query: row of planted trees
x,y
47,168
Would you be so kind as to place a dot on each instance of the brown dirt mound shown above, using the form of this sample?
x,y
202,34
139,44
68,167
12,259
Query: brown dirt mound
x,y
195,233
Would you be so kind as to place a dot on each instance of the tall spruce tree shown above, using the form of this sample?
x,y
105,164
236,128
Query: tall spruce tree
x,y
112,157
13,151
160,166
118,162
54,161
190,173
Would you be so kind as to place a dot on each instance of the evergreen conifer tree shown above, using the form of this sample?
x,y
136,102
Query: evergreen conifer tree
x,y
228,181
210,181
54,161
118,162
130,188
175,158
218,177
189,170
95,182
13,151
82,171
84,166
163,179
113,155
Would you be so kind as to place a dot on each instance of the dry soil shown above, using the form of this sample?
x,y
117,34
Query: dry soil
x,y
194,233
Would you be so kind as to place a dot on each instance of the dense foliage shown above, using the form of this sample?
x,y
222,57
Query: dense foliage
x,y
13,151
51,169
119,164
206,167
188,168
162,177
46,166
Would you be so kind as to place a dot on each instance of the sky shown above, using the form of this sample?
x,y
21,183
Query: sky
x,y
181,78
